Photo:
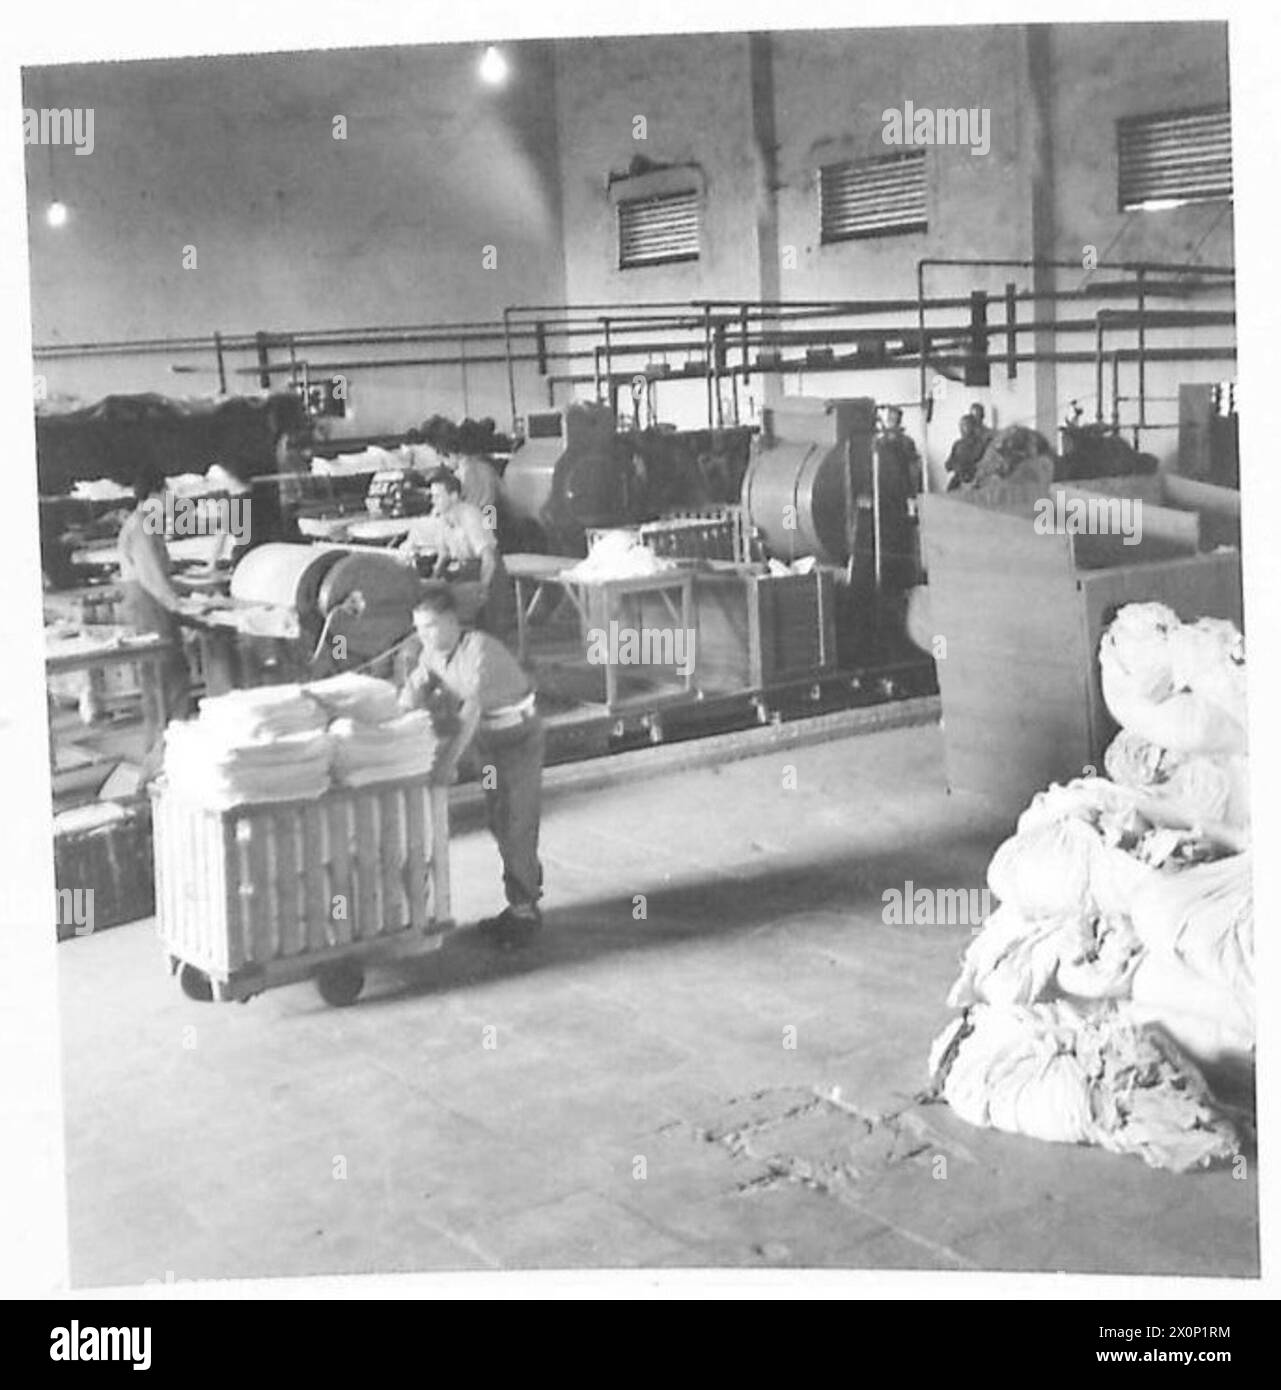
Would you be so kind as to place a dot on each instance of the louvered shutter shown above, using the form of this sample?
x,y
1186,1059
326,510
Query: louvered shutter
x,y
653,231
1181,157
873,197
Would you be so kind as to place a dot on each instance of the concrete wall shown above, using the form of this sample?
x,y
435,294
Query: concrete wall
x,y
694,95
294,229
1102,73
832,90
1047,186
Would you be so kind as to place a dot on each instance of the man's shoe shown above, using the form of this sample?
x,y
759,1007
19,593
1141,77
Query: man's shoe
x,y
511,928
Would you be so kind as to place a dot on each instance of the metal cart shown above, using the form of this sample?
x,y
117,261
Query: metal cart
x,y
255,896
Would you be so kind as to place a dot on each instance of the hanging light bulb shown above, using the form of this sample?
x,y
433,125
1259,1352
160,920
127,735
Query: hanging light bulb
x,y
493,67
56,214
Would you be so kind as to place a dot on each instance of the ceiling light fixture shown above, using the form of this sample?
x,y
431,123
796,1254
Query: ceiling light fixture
x,y
493,67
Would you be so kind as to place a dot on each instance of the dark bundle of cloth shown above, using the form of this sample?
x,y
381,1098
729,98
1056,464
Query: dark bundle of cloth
x,y
476,437
1016,454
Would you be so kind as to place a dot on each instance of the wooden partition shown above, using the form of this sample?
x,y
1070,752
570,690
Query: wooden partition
x,y
1017,616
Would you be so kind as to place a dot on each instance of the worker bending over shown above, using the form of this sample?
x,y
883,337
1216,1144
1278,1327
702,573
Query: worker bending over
x,y
464,543
469,680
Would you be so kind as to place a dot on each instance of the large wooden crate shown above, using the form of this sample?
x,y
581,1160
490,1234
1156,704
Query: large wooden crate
x,y
112,863
1016,619
756,631
265,893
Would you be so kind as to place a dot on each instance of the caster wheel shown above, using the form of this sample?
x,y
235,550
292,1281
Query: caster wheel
x,y
195,984
340,985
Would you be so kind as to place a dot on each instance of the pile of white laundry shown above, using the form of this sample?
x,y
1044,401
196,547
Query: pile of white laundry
x,y
1178,692
618,555
295,742
1118,971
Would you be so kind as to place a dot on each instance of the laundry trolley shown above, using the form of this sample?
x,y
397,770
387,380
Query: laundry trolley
x,y
254,896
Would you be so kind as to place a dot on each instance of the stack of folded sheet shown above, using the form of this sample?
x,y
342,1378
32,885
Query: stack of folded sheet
x,y
261,714
290,742
206,765
350,695
367,753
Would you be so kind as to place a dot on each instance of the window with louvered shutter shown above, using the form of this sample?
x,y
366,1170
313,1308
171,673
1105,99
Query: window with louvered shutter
x,y
656,231
1179,157
873,197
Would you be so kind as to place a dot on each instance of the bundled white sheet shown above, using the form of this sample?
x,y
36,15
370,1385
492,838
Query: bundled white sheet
x,y
1177,686
351,695
1083,850
1196,980
1195,786
260,714
370,460
1017,961
364,754
100,490
203,765
1069,1075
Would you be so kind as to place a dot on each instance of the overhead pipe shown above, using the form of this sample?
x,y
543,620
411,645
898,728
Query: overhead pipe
x,y
793,366
803,310
1139,268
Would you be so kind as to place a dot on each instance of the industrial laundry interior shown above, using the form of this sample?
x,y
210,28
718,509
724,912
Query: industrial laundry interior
x,y
793,556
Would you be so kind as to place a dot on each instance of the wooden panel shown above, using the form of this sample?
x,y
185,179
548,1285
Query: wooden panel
x,y
442,900
417,851
395,913
293,918
340,929
727,656
793,610
366,922
1012,680
1219,508
262,886
242,850
315,876
974,537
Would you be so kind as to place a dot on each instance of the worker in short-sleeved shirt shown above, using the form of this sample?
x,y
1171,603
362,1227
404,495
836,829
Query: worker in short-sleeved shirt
x,y
479,479
471,683
465,543
455,532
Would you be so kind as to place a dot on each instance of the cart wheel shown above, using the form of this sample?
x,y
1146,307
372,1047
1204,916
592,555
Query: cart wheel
x,y
340,984
196,984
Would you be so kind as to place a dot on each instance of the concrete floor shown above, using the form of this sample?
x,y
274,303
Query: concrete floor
x,y
640,1105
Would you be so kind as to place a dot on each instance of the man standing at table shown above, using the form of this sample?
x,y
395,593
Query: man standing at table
x,y
470,682
464,543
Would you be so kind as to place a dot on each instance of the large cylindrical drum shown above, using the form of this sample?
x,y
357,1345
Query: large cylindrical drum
x,y
794,495
284,574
